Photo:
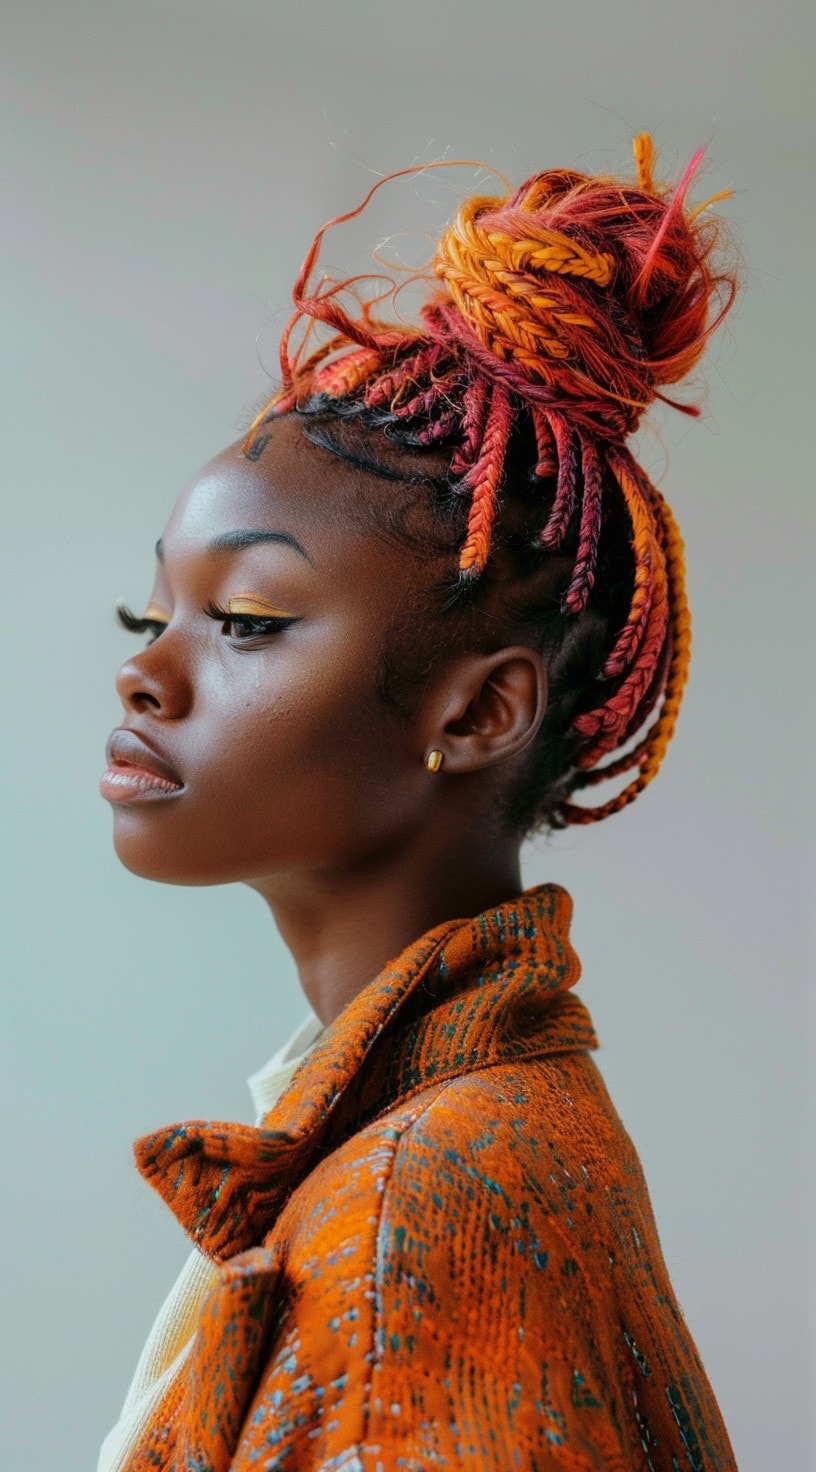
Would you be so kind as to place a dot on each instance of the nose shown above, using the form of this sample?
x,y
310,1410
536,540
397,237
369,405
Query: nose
x,y
154,681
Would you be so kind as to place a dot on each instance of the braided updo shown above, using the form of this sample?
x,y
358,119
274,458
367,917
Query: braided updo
x,y
556,315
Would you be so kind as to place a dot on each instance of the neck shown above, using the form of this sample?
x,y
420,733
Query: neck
x,y
343,928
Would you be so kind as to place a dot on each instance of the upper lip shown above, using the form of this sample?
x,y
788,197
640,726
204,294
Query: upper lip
x,y
125,748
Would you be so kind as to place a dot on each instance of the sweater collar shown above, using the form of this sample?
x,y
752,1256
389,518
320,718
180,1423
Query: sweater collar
x,y
467,995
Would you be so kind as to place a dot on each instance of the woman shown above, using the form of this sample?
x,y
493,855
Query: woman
x,y
422,607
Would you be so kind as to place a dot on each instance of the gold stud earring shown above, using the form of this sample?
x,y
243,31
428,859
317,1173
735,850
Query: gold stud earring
x,y
434,760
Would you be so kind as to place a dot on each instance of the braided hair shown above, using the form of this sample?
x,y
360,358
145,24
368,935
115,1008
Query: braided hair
x,y
555,314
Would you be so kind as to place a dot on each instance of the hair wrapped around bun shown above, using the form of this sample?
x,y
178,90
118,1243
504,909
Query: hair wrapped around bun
x,y
571,302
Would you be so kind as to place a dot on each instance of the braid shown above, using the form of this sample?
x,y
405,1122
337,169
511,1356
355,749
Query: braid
x,y
474,411
565,305
648,754
566,494
546,454
583,577
482,480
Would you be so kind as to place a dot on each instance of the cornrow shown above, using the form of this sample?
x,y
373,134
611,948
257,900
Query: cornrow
x,y
569,301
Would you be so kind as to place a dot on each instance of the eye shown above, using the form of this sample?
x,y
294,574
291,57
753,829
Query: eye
x,y
244,626
136,625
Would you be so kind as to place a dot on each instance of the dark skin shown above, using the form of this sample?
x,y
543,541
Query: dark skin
x,y
298,779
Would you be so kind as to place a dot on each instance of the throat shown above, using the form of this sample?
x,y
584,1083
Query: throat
x,y
342,933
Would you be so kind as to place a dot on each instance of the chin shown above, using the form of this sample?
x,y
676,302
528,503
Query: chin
x,y
152,859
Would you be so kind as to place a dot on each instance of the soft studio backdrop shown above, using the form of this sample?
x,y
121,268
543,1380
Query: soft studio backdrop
x,y
164,166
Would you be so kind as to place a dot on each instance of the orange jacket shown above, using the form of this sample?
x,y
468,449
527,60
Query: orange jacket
x,y
438,1251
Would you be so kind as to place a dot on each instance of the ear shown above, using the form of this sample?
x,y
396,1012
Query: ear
x,y
486,708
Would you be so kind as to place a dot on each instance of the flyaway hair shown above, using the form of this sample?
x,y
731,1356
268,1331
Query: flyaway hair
x,y
571,301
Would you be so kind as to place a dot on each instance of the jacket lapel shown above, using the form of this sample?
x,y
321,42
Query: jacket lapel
x,y
466,995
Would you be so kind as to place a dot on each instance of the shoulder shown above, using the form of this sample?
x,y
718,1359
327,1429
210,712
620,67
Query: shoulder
x,y
505,1198
404,1290
451,1290
511,1172
509,1201
496,1170
517,1134
510,1131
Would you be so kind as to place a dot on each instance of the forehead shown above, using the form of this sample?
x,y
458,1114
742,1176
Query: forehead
x,y
292,486
332,508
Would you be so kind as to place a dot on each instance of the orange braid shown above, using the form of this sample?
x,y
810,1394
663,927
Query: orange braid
x,y
344,376
483,481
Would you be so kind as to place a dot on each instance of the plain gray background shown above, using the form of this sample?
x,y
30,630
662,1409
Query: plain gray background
x,y
164,166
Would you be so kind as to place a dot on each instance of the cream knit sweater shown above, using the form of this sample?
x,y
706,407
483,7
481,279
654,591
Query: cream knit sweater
x,y
169,1340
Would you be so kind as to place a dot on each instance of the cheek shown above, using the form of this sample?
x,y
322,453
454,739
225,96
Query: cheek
x,y
319,754
287,767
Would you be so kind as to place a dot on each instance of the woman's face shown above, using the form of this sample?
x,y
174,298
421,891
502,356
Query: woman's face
x,y
277,752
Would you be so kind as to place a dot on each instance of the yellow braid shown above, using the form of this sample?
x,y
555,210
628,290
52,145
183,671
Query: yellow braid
x,y
542,249
489,275
644,151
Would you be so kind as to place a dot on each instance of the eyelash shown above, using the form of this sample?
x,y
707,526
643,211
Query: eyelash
x,y
256,627
136,625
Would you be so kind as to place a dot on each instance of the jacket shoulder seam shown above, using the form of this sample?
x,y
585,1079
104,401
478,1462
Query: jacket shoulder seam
x,y
441,1085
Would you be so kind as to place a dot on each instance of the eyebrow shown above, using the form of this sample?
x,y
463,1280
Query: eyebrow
x,y
238,540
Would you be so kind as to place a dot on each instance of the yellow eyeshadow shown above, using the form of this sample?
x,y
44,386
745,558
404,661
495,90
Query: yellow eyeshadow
x,y
155,614
254,607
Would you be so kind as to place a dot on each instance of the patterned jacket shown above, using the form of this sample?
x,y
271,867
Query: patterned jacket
x,y
438,1250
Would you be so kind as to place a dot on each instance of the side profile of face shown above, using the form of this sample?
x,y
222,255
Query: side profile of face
x,y
256,697
272,728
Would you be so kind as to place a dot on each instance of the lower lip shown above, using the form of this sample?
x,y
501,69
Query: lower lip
x,y
135,784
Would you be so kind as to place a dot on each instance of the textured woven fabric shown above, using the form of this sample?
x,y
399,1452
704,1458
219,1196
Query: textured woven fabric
x,y
437,1250
171,1336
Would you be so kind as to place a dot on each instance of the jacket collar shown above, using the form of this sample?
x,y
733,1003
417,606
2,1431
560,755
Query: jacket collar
x,y
468,994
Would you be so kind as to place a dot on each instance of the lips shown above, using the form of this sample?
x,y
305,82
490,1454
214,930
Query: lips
x,y
126,749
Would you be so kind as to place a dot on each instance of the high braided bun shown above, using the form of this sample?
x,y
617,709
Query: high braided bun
x,y
591,293
569,302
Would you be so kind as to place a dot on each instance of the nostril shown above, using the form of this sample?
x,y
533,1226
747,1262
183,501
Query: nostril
x,y
154,683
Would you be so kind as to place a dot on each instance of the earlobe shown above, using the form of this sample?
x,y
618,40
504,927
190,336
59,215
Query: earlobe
x,y
490,708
